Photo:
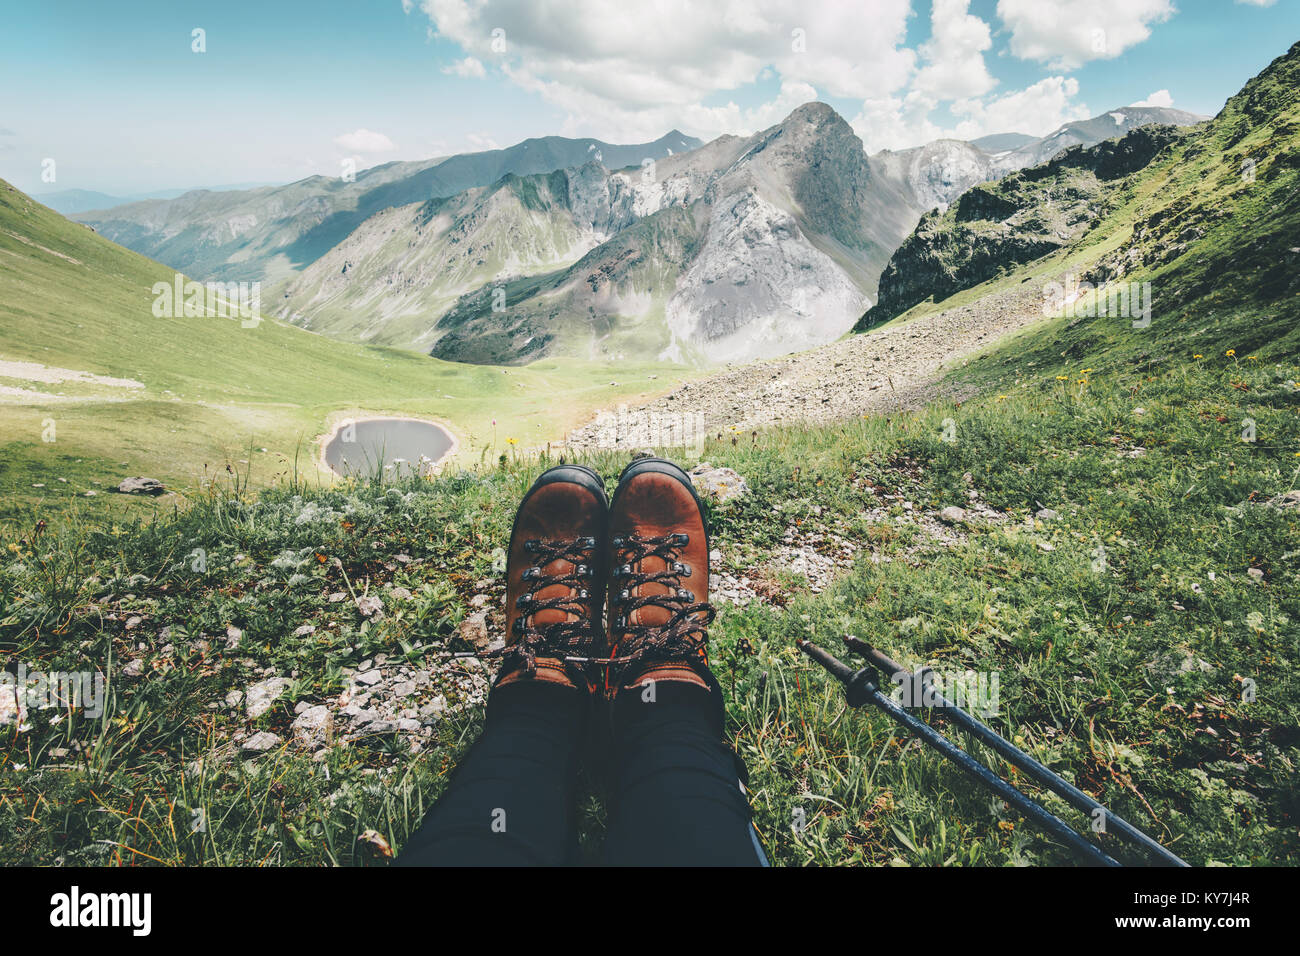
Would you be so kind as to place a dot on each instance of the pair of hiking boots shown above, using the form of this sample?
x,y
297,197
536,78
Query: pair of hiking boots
x,y
607,595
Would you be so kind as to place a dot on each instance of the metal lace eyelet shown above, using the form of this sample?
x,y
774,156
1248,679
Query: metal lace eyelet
x,y
681,569
583,571
616,542
621,622
519,625
625,570
625,594
523,600
531,544
681,538
583,594
684,594
530,573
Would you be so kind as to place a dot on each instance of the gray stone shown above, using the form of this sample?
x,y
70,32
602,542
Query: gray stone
x,y
141,486
718,484
953,514
314,727
261,742
262,695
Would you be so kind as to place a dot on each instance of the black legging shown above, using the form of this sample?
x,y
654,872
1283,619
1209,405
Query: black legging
x,y
675,796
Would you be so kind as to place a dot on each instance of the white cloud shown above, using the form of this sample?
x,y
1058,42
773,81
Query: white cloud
x,y
471,66
1065,34
365,141
1258,3
1158,98
954,53
631,70
1036,110
898,123
481,141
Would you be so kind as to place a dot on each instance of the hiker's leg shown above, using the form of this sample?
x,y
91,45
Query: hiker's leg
x,y
510,801
676,793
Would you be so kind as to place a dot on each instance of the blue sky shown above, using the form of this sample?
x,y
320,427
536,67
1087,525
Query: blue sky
x,y
116,96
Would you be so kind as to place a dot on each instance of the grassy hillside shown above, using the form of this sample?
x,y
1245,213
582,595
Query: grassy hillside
x,y
1126,674
214,389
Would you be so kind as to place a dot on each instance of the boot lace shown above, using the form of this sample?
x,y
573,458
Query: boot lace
x,y
559,638
685,633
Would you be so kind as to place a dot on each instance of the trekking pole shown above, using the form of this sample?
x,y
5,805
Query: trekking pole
x,y
860,689
1013,754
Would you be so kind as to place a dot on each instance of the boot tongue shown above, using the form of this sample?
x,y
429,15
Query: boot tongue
x,y
652,615
555,615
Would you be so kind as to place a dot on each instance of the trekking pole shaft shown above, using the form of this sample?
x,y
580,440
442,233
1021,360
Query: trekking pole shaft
x,y
1040,815
860,692
1023,761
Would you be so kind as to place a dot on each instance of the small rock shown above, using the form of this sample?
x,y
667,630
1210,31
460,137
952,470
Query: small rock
x,y
474,630
718,484
262,695
133,668
314,726
952,514
1046,514
305,631
370,606
140,486
369,678
261,742
1255,573
1289,500
1046,546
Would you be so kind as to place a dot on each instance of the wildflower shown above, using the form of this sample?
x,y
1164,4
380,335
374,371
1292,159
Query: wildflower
x,y
1231,353
1062,378
511,441
1198,355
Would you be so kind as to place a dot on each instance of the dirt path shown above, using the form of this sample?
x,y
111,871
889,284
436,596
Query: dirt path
x,y
873,373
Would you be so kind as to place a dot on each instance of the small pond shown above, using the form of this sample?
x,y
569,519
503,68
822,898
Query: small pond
x,y
402,446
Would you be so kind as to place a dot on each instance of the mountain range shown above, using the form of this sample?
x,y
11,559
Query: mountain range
x,y
741,248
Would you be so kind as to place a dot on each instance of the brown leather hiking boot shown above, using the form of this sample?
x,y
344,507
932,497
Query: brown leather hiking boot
x,y
659,578
555,579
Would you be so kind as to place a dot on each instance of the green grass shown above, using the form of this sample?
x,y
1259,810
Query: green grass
x,y
217,392
1086,683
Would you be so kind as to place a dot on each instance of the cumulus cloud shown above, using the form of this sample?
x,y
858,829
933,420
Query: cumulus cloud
x,y
469,67
629,71
1065,34
954,54
1158,98
632,70
481,141
1036,110
365,141
1258,3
